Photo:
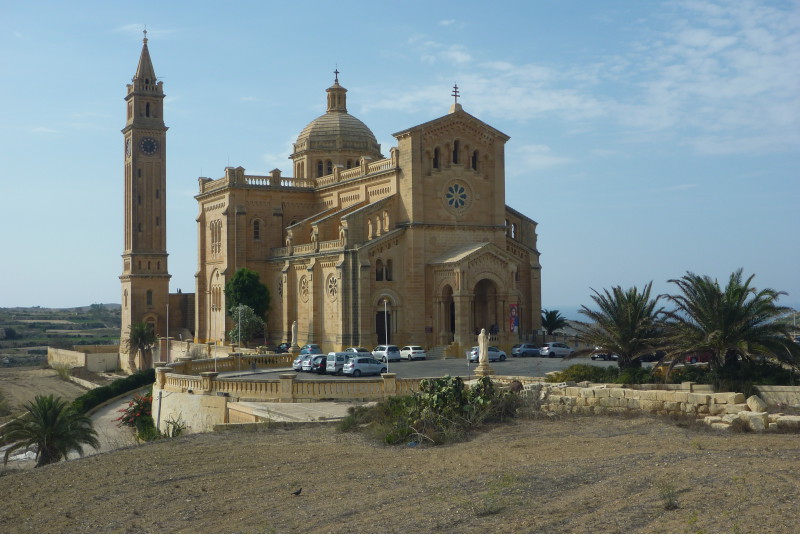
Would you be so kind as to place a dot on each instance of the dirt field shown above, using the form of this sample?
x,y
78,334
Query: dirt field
x,y
19,385
591,474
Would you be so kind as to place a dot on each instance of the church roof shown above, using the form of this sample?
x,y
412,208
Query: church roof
x,y
337,129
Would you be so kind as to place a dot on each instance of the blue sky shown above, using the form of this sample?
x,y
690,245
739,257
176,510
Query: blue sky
x,y
647,138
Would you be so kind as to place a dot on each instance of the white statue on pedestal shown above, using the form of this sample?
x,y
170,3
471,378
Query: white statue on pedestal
x,y
483,347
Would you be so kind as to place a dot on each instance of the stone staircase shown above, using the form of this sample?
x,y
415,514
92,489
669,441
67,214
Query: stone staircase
x,y
438,352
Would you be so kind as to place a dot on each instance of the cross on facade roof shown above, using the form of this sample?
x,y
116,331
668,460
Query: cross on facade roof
x,y
455,93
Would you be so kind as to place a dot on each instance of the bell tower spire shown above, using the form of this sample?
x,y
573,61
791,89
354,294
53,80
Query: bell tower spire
x,y
145,277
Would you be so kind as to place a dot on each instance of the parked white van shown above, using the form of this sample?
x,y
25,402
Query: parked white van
x,y
336,361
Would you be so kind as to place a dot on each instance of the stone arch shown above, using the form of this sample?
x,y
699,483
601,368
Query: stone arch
x,y
387,316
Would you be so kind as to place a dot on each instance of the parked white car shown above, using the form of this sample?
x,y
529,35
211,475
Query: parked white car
x,y
413,352
386,353
556,349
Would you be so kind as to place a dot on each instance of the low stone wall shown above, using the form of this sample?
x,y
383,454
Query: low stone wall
x,y
96,358
719,410
200,400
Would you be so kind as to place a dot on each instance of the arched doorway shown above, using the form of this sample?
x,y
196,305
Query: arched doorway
x,y
486,311
383,322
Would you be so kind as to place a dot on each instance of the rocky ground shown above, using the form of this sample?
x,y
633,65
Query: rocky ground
x,y
576,474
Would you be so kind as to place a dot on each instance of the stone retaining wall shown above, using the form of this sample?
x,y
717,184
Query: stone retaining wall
x,y
718,410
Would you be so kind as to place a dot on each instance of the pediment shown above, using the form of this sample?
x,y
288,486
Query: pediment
x,y
473,256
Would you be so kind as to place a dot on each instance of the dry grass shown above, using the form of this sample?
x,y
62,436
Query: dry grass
x,y
589,474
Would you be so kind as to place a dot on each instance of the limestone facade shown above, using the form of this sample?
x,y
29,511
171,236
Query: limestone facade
x,y
357,247
420,242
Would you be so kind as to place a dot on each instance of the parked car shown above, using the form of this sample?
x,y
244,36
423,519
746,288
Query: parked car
x,y
604,356
524,349
297,364
318,364
413,352
311,349
308,363
556,349
283,348
335,362
358,349
494,354
386,353
698,357
363,365
653,357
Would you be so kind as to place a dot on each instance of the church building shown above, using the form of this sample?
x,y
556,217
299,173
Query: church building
x,y
360,248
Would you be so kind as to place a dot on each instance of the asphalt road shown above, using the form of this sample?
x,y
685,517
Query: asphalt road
x,y
453,367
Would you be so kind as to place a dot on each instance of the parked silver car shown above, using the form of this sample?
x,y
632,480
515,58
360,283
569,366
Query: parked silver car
x,y
386,353
298,362
494,354
363,365
556,349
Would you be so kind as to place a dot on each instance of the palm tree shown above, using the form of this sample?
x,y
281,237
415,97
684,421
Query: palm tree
x,y
731,323
140,338
552,320
52,427
626,324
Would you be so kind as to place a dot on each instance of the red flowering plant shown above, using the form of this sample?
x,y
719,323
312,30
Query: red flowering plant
x,y
138,414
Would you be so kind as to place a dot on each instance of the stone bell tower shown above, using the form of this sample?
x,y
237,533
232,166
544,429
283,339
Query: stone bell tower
x,y
145,277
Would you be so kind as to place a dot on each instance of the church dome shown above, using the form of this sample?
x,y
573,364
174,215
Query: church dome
x,y
337,130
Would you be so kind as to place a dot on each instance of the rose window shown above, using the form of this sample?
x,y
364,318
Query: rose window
x,y
333,287
456,196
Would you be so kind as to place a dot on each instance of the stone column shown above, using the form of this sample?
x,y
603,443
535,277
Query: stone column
x,y
207,379
161,376
286,387
389,384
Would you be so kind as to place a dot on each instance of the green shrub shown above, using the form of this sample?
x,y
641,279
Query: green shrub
x,y
442,411
97,396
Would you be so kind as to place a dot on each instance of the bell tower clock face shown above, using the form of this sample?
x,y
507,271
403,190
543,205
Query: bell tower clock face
x,y
148,146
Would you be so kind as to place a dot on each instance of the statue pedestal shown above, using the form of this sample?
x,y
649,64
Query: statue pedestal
x,y
294,349
484,369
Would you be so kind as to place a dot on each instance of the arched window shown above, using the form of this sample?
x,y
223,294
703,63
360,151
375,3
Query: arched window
x,y
139,200
149,297
125,299
475,160
379,271
147,110
329,167
319,168
388,270
508,228
257,230
455,151
436,158
514,230
156,193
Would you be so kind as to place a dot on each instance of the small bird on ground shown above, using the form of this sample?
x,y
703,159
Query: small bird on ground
x,y
297,492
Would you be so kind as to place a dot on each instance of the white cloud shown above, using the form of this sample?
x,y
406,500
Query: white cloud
x,y
447,22
537,157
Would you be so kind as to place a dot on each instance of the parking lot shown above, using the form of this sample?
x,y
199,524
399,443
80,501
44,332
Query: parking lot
x,y
453,367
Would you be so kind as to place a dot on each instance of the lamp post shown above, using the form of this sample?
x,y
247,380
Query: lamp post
x,y
386,330
167,334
